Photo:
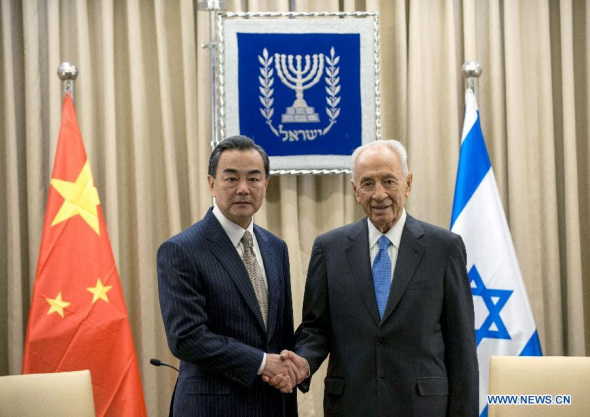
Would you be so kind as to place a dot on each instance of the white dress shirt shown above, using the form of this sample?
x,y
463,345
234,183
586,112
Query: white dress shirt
x,y
235,233
394,235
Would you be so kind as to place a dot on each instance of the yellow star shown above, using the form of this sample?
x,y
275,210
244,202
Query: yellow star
x,y
100,291
81,197
57,305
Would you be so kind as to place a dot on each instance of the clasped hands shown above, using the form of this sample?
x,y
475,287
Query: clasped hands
x,y
284,371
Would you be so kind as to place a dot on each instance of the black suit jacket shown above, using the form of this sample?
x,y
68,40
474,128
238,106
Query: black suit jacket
x,y
420,360
214,325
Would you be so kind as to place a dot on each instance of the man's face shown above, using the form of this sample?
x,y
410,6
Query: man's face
x,y
239,185
380,187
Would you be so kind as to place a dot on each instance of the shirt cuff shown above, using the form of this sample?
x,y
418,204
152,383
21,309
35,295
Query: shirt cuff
x,y
264,363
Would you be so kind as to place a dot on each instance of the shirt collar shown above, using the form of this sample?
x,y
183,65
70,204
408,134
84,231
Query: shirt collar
x,y
394,234
234,231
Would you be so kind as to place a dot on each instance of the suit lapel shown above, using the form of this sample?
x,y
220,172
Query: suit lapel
x,y
359,261
270,259
410,253
228,257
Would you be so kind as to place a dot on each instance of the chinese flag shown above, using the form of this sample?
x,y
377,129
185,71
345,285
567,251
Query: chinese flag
x,y
78,319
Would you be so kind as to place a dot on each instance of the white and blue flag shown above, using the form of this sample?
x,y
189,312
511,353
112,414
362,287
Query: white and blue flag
x,y
504,324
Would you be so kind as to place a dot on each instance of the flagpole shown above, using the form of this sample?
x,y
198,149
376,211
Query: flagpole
x,y
67,72
471,71
212,6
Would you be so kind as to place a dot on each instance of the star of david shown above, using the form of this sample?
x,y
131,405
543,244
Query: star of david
x,y
494,300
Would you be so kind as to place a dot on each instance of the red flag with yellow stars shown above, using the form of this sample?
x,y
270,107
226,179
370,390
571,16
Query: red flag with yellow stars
x,y
78,319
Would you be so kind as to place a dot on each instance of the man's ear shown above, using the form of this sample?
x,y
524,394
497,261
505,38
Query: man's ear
x,y
211,182
355,191
409,179
266,182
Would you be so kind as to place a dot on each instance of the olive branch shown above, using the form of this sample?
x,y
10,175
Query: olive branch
x,y
332,89
266,80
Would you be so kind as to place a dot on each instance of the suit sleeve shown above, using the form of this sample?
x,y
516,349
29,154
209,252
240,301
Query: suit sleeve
x,y
182,301
313,337
459,335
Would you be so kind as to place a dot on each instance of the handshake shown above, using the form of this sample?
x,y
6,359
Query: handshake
x,y
285,371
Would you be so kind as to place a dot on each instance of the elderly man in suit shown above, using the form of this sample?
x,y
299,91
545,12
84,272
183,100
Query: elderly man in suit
x,y
225,296
389,299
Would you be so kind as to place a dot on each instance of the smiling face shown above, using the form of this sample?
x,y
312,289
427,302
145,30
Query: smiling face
x,y
239,185
380,186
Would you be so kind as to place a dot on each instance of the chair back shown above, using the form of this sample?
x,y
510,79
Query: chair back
x,y
540,386
57,394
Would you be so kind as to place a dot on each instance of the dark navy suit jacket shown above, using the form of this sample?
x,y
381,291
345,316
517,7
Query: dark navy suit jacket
x,y
420,359
214,325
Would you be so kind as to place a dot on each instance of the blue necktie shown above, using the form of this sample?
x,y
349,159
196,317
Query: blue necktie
x,y
382,274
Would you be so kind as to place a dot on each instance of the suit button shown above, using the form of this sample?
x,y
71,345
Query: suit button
x,y
380,342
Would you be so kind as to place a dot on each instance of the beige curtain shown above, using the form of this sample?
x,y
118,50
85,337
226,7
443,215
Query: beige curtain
x,y
142,99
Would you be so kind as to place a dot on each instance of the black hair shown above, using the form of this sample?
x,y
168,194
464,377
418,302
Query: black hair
x,y
239,143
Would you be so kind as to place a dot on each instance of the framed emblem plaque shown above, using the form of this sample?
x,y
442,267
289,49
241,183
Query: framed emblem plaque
x,y
304,86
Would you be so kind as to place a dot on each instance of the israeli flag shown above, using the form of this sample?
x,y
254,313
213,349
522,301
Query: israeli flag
x,y
504,324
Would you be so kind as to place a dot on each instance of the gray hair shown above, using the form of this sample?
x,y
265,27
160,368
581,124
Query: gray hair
x,y
392,144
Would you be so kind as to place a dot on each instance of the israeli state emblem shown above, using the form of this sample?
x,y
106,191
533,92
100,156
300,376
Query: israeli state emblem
x,y
300,73
299,94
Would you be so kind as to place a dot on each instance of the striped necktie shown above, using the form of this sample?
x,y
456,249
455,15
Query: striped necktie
x,y
255,273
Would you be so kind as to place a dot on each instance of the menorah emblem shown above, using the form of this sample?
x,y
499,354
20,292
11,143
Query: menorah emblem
x,y
299,79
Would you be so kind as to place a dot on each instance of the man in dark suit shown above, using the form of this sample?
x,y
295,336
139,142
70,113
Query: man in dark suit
x,y
389,299
225,296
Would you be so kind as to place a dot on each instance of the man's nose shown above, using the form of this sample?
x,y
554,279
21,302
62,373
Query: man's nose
x,y
379,193
243,187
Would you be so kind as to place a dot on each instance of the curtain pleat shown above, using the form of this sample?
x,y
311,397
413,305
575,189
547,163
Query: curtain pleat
x,y
570,235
